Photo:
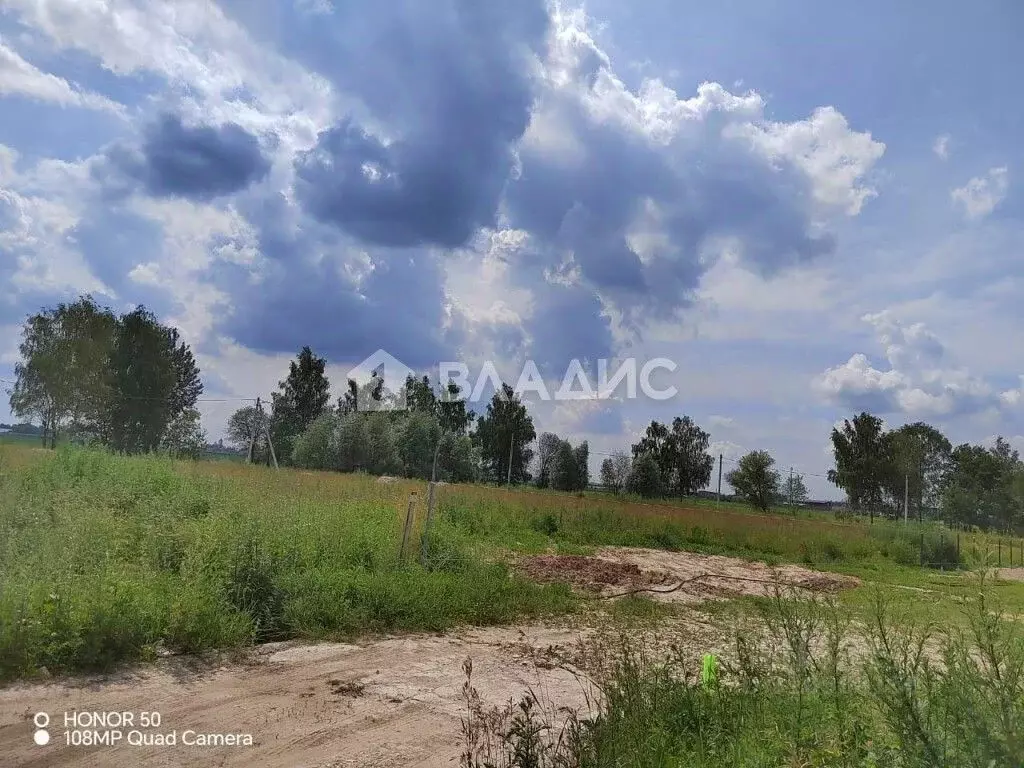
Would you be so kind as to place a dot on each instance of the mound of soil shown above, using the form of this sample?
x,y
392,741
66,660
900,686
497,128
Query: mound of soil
x,y
590,573
703,577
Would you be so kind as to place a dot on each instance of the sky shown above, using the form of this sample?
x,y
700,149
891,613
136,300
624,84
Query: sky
x,y
812,209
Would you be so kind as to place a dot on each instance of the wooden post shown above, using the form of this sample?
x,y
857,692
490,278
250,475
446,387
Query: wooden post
x,y
424,544
718,500
408,525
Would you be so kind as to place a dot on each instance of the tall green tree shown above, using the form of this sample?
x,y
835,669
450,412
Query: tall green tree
x,y
655,444
547,446
63,377
303,397
756,480
144,384
317,447
349,398
921,457
420,395
691,462
645,477
615,471
569,466
188,385
982,487
122,380
453,413
681,453
863,457
504,433
793,490
581,458
184,437
244,429
418,439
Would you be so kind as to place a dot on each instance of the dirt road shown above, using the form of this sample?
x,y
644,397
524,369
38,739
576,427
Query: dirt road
x,y
392,702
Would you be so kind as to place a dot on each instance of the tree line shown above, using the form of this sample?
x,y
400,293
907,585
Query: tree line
x,y
130,383
912,470
125,381
916,470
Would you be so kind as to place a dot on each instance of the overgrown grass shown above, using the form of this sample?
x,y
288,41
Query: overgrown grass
x,y
525,519
822,691
106,558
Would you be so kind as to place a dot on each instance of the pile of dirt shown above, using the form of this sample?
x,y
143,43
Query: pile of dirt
x,y
588,573
697,577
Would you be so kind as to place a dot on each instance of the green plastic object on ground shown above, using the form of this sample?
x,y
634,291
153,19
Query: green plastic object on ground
x,y
709,672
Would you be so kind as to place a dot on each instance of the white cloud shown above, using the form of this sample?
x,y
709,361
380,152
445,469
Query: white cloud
x,y
941,146
982,194
191,43
836,158
19,77
35,233
729,451
919,382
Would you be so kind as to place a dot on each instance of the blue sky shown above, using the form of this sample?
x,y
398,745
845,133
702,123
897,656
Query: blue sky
x,y
811,208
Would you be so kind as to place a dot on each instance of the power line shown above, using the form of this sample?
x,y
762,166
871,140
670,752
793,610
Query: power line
x,y
162,399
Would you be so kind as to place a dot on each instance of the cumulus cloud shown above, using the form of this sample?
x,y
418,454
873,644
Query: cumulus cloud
x,y
396,139
199,162
21,78
449,89
941,146
982,194
629,195
313,285
39,258
920,380
190,44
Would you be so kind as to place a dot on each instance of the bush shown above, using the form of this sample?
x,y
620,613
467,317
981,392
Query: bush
x,y
645,477
317,447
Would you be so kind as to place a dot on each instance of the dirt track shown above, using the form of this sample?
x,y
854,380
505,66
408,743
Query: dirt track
x,y
390,702
386,703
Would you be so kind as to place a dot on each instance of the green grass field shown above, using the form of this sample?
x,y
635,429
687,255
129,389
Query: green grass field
x,y
106,559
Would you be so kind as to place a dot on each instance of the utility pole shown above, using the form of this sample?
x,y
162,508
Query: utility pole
x,y
511,449
262,423
791,487
718,501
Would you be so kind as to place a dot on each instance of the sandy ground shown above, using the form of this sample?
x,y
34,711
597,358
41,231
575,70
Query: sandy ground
x,y
387,702
655,574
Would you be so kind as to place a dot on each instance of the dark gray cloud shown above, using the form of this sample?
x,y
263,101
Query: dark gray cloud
x,y
566,325
316,288
449,84
456,116
197,162
683,198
